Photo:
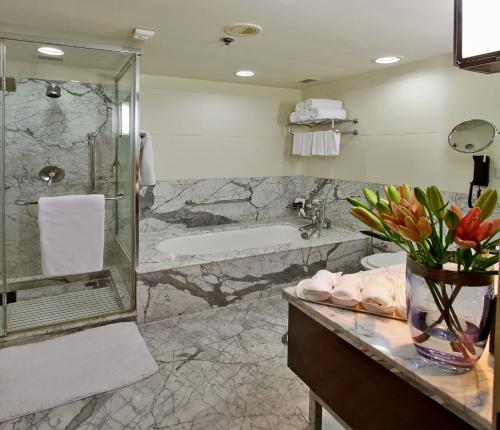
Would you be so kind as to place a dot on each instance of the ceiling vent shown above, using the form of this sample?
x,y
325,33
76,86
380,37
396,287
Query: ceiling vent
x,y
241,29
308,81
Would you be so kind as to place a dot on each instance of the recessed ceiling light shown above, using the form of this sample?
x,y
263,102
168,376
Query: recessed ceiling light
x,y
387,60
143,34
50,50
245,73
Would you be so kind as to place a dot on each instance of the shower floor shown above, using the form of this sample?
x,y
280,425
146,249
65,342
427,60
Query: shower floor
x,y
69,302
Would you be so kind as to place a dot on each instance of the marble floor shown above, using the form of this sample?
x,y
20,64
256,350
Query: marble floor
x,y
222,369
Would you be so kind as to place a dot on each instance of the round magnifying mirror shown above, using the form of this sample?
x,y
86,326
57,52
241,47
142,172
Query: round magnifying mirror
x,y
472,136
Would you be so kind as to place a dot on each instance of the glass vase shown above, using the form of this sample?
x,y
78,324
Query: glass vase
x,y
449,314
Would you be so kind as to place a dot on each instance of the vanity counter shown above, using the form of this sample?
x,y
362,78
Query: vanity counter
x,y
387,345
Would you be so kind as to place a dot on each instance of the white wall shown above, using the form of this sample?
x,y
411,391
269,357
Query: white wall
x,y
204,129
406,113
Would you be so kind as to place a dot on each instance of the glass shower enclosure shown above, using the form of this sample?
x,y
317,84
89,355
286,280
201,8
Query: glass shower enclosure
x,y
68,126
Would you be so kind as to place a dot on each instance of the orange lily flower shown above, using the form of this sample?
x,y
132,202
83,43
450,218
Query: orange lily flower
x,y
471,232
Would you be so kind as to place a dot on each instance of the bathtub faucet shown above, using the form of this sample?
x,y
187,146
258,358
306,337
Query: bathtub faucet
x,y
316,213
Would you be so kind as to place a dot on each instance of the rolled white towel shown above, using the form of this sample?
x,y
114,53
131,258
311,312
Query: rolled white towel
x,y
317,114
347,292
319,287
300,106
295,117
377,294
304,115
323,104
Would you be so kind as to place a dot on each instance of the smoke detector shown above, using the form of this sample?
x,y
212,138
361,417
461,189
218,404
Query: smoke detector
x,y
241,29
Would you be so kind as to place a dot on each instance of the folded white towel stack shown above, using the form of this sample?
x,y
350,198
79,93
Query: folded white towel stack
x,y
71,234
147,158
319,287
323,104
317,114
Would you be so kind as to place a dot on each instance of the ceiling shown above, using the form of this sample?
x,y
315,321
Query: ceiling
x,y
321,39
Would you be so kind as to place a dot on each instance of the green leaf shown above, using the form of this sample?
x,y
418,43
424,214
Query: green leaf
x,y
376,235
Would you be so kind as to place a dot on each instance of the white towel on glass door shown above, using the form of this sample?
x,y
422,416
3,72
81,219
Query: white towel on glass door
x,y
298,138
318,143
323,104
317,114
71,234
307,141
147,160
332,142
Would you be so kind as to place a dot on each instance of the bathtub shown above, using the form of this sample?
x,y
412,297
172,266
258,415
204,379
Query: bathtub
x,y
231,240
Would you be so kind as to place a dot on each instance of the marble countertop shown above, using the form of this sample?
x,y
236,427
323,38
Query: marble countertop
x,y
152,259
468,395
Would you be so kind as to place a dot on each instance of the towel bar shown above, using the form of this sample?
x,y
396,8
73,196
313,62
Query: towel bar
x,y
353,132
216,202
25,203
332,123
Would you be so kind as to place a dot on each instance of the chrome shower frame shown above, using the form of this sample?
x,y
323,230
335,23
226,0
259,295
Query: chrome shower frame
x,y
134,56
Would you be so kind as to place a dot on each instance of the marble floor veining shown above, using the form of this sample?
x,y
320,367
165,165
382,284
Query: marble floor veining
x,y
221,369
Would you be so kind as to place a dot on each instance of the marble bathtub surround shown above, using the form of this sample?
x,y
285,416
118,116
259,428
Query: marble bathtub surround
x,y
257,274
388,342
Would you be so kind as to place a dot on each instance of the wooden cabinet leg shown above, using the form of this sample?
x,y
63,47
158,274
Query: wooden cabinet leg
x,y
315,412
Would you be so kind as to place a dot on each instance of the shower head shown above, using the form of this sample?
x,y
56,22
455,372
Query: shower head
x,y
53,91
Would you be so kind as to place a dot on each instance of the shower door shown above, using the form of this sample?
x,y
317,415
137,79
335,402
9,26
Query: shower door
x,y
61,136
3,275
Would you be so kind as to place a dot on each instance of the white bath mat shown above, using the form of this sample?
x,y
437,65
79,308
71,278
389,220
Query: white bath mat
x,y
43,375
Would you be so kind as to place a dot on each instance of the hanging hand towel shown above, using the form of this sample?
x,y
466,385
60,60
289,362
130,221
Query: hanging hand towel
x,y
317,114
332,142
307,144
148,176
318,143
323,104
299,106
71,234
298,138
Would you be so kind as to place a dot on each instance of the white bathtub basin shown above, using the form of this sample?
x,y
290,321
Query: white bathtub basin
x,y
230,240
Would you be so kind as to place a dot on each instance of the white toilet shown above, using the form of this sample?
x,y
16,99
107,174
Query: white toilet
x,y
383,259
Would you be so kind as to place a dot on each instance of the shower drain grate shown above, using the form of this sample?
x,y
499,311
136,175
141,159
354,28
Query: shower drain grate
x,y
51,310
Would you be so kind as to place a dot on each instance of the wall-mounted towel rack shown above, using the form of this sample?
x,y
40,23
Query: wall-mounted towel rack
x,y
216,202
332,123
26,203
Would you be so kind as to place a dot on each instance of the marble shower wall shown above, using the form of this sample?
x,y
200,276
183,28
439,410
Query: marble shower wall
x,y
42,131
163,206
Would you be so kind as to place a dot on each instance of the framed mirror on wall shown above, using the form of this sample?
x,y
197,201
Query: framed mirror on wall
x,y
477,35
